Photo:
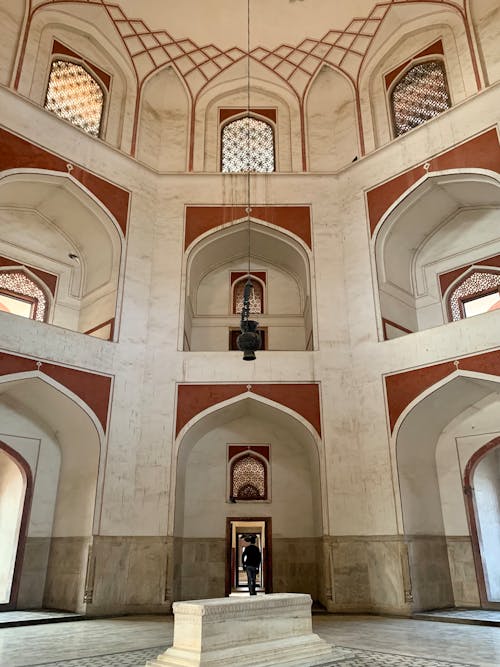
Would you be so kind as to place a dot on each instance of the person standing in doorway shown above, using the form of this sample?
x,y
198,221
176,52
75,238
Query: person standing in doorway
x,y
251,562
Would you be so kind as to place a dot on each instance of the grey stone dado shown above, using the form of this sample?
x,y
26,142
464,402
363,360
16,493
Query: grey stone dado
x,y
430,572
296,566
128,575
33,573
366,574
200,568
65,583
462,571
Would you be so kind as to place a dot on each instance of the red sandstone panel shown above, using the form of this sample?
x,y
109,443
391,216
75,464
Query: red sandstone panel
x,y
18,153
194,398
263,450
201,219
433,49
236,275
403,388
224,114
482,152
92,388
58,48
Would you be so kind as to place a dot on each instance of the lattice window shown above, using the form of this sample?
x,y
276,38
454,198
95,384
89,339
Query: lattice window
x,y
249,478
74,95
256,297
17,286
421,94
474,288
247,145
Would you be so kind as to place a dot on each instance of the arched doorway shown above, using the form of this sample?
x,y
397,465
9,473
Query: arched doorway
x,y
482,497
434,439
60,439
16,489
205,506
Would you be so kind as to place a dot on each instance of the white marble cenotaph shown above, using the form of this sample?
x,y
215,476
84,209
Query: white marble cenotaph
x,y
262,631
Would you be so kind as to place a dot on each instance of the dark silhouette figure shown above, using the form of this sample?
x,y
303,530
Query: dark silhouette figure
x,y
251,562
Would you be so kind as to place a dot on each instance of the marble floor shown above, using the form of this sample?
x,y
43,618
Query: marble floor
x,y
35,616
471,616
131,641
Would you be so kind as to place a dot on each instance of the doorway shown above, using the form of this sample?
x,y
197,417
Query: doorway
x,y
238,531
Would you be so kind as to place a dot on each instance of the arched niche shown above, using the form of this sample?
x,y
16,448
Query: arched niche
x,y
16,488
229,90
84,249
88,32
332,133
202,502
407,32
208,298
434,439
445,221
482,495
164,122
60,439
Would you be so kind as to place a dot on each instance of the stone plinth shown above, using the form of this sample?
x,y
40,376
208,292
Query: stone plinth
x,y
262,631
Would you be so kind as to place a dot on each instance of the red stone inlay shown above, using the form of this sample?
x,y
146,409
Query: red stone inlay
x,y
201,219
48,279
434,49
403,388
194,398
236,275
233,450
446,279
224,114
92,388
17,153
60,49
482,152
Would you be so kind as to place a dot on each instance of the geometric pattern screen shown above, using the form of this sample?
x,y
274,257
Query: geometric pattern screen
x,y
255,301
74,95
247,146
420,95
477,284
248,479
17,283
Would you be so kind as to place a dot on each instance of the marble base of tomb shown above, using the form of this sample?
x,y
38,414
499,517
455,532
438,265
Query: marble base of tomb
x,y
262,631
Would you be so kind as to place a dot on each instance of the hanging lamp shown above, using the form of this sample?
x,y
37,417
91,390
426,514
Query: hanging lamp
x,y
249,340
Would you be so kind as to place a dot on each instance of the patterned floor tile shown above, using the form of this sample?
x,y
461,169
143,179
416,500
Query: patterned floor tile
x,y
357,659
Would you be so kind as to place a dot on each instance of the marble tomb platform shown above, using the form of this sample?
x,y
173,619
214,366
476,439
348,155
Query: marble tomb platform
x,y
262,631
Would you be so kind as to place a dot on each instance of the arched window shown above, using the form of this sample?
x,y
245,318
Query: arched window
x,y
75,95
256,297
249,478
247,145
20,295
476,293
420,94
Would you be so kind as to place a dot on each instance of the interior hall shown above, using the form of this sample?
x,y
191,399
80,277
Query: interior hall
x,y
249,292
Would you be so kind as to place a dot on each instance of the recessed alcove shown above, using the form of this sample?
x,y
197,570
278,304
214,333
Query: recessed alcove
x,y
209,311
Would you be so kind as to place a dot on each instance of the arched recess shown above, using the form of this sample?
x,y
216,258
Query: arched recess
x,y
61,440
445,221
16,492
19,284
200,496
164,122
482,496
332,132
229,91
208,291
84,249
409,30
89,33
433,440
